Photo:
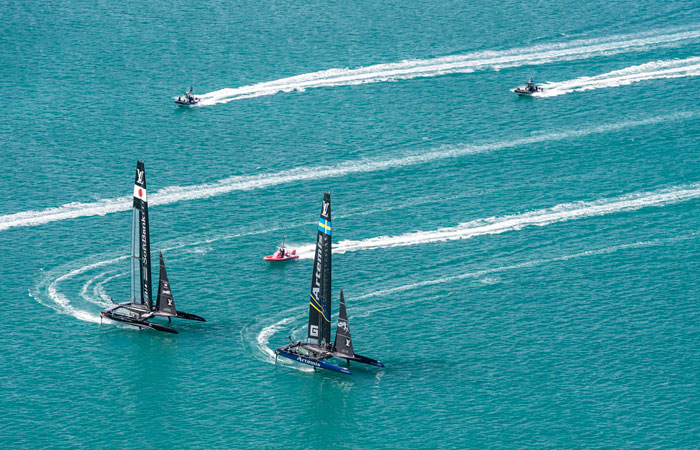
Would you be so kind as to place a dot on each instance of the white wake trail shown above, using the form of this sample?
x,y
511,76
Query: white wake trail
x,y
655,70
96,299
522,265
62,304
501,224
224,186
263,337
48,294
384,293
471,62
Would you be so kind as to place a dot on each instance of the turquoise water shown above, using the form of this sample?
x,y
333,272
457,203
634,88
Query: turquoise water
x,y
526,268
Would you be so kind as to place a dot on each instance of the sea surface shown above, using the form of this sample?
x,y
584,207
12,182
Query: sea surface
x,y
526,268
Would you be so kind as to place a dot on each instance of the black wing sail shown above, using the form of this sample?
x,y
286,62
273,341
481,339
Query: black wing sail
x,y
343,341
319,331
141,243
165,302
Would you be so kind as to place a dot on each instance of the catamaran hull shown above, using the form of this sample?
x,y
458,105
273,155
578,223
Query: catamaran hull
x,y
318,363
272,258
186,103
526,93
138,322
188,316
363,360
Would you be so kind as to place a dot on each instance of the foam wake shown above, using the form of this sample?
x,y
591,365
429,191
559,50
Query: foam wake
x,y
523,265
656,70
471,62
262,340
47,291
366,309
501,224
224,186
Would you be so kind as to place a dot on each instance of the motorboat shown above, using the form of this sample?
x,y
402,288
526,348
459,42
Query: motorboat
x,y
187,99
282,254
528,89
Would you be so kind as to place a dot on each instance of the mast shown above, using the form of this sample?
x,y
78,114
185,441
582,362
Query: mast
x,y
140,243
165,302
319,331
343,341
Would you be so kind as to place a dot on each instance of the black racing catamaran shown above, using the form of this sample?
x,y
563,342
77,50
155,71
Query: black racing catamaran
x,y
318,346
141,309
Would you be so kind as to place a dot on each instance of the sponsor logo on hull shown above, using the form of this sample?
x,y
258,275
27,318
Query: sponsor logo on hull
x,y
310,362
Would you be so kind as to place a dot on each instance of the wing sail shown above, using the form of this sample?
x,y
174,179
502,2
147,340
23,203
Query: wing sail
x,y
319,330
140,242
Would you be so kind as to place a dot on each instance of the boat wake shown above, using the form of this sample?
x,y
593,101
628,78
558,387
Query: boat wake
x,y
522,265
656,70
92,291
262,340
99,295
224,186
47,293
501,224
364,309
471,62
384,293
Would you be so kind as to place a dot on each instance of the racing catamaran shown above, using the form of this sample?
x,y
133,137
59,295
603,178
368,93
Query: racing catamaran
x,y
318,347
141,309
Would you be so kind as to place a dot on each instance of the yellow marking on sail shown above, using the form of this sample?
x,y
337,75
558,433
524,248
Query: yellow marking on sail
x,y
319,310
324,226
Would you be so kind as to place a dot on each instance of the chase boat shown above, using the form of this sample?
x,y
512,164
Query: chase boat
x,y
187,99
281,254
528,89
